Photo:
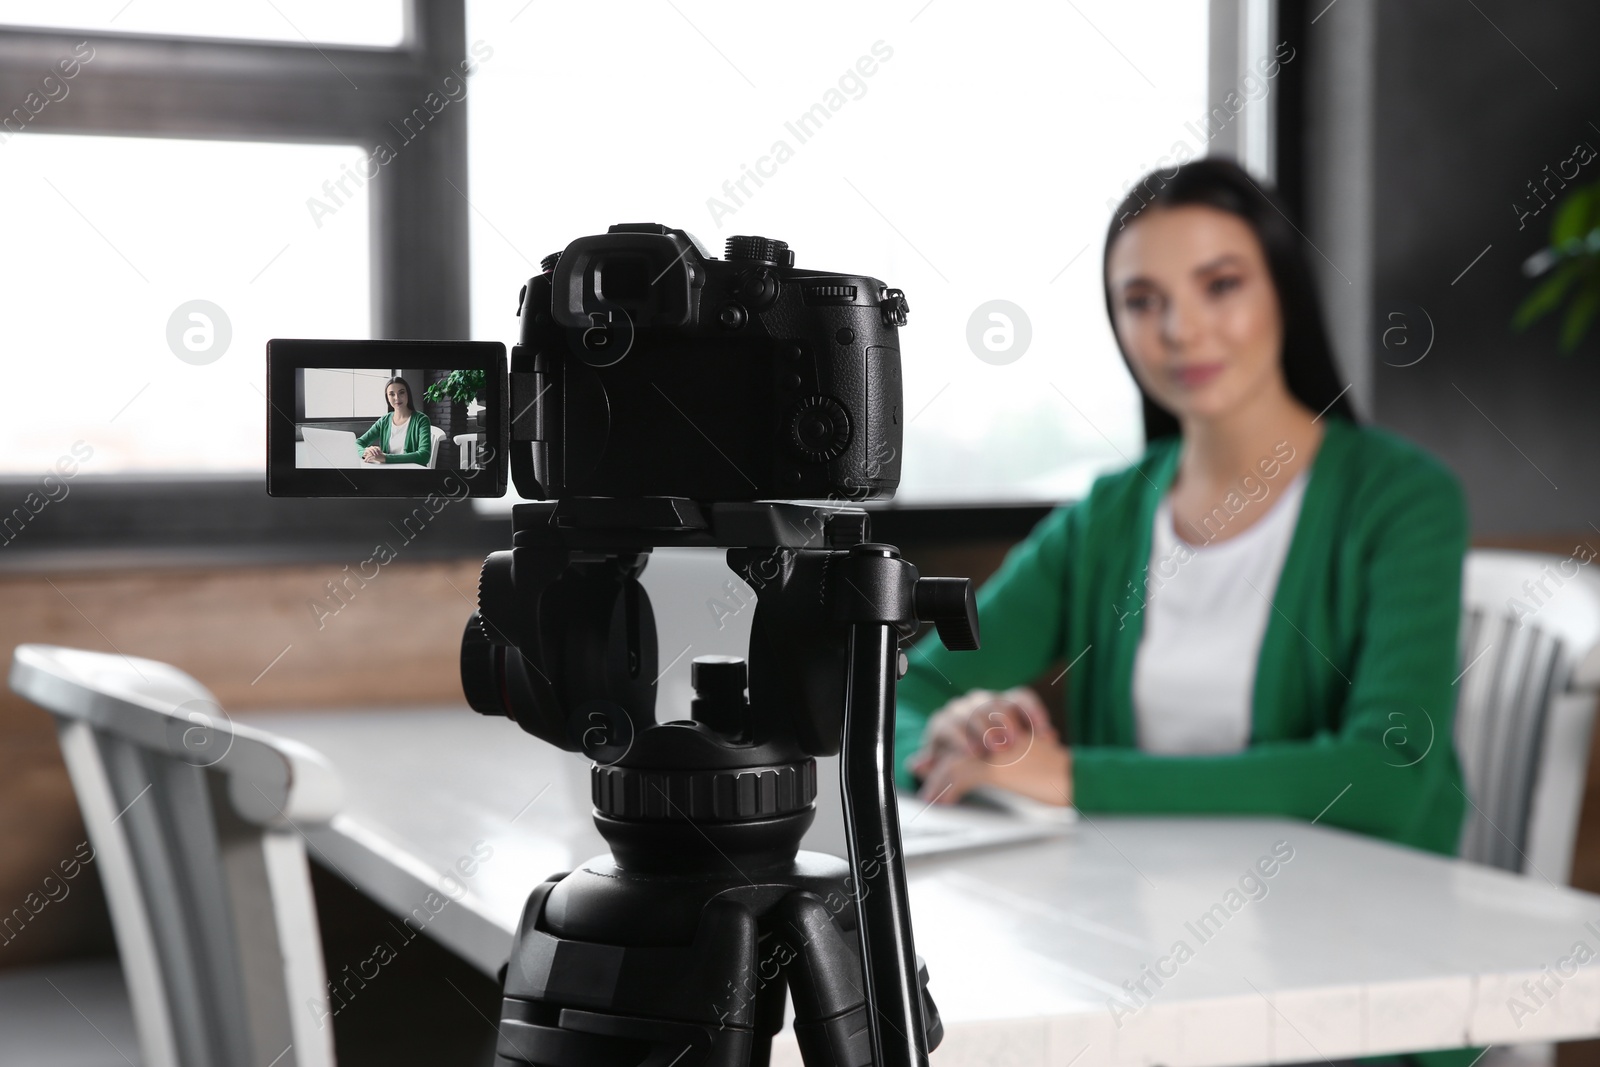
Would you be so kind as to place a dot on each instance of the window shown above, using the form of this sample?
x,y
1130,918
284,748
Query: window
x,y
965,156
344,394
292,187
376,23
968,156
145,278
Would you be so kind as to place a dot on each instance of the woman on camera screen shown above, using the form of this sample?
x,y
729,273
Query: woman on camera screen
x,y
1260,615
401,435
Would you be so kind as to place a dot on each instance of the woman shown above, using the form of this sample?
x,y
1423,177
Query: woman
x,y
403,435
1260,615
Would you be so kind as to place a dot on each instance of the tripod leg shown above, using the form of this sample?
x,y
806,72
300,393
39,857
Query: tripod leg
x,y
572,1002
824,972
770,1002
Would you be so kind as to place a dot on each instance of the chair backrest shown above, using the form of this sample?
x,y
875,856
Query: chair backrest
x,y
437,435
197,829
1530,661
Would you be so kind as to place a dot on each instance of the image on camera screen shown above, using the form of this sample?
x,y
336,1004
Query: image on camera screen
x,y
386,418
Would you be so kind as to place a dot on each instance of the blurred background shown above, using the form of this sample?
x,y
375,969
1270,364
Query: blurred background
x,y
186,180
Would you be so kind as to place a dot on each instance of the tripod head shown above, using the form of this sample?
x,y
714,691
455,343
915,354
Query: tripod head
x,y
564,643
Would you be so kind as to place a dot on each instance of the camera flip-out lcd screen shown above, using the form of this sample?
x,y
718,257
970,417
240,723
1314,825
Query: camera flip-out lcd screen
x,y
386,418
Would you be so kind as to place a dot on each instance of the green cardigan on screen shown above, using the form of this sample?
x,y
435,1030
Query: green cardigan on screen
x,y
418,444
1354,694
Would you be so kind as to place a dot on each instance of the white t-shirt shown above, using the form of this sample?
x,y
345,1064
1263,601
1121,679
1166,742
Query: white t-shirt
x,y
397,436
1206,609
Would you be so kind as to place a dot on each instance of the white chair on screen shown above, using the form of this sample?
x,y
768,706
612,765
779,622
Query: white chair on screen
x,y
196,826
438,436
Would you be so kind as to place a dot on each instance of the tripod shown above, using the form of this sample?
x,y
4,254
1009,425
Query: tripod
x,y
677,949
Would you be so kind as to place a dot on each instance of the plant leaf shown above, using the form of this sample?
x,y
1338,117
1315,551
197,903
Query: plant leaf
x,y
1574,217
1580,313
1546,296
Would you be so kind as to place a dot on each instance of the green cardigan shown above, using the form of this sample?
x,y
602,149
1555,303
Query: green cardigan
x,y
418,444
1354,694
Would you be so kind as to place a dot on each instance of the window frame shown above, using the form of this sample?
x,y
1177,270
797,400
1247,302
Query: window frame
x,y
198,88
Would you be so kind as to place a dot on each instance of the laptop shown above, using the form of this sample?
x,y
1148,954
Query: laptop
x,y
327,448
987,818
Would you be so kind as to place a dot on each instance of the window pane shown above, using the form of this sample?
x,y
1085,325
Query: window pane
x,y
966,156
142,279
344,394
377,23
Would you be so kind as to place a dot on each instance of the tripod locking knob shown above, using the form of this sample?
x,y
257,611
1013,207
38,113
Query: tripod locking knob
x,y
952,607
719,699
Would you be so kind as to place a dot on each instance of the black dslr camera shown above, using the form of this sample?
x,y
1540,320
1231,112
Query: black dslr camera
x,y
645,367
661,397
678,374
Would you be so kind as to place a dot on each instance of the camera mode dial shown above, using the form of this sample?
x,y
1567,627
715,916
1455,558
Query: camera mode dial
x,y
758,250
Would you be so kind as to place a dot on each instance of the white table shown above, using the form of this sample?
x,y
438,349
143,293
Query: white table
x,y
1356,948
306,458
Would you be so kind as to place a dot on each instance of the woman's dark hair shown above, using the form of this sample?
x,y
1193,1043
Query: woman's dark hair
x,y
411,398
1308,367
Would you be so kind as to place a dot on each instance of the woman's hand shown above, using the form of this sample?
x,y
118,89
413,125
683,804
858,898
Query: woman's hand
x,y
985,722
373,454
1000,739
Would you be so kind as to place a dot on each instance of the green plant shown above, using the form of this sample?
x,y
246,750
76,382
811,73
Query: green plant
x,y
459,385
1571,266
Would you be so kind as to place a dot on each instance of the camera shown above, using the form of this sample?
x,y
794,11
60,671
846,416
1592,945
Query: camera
x,y
645,367
673,373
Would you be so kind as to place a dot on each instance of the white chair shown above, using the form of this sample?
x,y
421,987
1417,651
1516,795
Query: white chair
x,y
1530,656
469,443
197,830
437,435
